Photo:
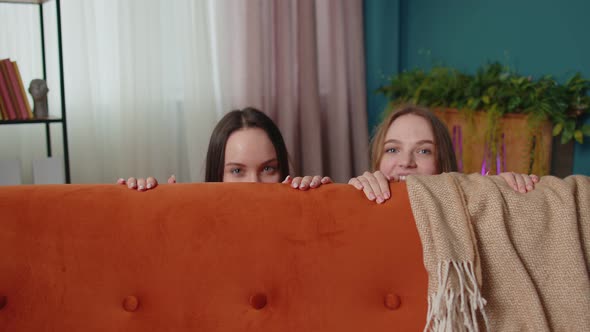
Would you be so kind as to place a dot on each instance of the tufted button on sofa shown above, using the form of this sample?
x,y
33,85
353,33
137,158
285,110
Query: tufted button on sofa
x,y
208,257
2,301
130,303
392,301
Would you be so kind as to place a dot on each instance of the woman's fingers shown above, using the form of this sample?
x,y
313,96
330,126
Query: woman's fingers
x,y
141,184
374,185
510,180
131,183
307,182
355,182
151,182
366,187
522,183
376,181
288,179
316,181
528,182
296,181
383,183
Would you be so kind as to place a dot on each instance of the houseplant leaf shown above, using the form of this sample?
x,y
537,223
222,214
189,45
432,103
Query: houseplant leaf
x,y
557,129
579,136
568,131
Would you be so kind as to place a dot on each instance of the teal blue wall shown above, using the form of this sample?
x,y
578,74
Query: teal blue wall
x,y
534,37
382,51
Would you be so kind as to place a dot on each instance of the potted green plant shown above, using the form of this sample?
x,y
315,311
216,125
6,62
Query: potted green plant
x,y
493,95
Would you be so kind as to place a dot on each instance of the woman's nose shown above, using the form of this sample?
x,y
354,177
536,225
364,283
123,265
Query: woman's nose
x,y
254,177
407,160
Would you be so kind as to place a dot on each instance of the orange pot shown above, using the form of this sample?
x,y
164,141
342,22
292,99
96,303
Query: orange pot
x,y
518,148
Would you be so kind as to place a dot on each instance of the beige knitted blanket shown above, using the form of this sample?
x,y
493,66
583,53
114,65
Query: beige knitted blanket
x,y
501,260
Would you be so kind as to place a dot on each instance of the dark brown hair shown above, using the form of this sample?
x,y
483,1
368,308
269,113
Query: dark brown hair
x,y
235,120
446,161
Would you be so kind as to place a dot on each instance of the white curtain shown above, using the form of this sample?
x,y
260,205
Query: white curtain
x,y
146,81
142,87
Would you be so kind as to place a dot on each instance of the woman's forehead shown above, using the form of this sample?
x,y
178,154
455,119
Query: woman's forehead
x,y
410,127
249,146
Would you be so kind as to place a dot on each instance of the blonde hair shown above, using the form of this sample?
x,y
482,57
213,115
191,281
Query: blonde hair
x,y
445,154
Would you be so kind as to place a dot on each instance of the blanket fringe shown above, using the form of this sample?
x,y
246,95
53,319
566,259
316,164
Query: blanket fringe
x,y
452,309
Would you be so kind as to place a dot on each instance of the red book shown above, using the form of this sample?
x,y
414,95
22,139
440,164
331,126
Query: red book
x,y
3,115
5,93
23,91
14,88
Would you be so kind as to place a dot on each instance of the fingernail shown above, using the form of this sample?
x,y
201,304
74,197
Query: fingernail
x,y
371,196
149,186
379,200
294,185
386,195
140,188
303,185
313,183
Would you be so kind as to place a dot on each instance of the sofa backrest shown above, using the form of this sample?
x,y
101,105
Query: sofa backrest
x,y
208,257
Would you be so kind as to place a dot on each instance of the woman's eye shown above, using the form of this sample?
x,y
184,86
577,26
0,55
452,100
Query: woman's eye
x,y
236,171
391,150
424,151
269,169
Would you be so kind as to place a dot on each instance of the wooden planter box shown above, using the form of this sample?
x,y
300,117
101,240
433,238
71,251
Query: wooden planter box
x,y
519,149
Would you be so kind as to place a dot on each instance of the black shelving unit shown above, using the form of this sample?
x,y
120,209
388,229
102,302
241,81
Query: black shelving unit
x,y
50,120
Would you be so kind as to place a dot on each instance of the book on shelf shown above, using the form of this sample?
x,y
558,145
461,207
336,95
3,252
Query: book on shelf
x,y
2,109
6,99
23,91
14,87
10,88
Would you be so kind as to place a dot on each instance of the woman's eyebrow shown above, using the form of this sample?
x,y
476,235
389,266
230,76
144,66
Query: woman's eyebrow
x,y
231,163
395,141
234,164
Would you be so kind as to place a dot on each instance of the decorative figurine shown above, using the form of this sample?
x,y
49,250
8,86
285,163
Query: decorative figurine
x,y
38,89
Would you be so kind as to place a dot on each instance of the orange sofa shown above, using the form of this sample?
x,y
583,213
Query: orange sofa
x,y
208,257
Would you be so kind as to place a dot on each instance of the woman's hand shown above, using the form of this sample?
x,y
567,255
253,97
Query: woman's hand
x,y
374,185
522,183
307,182
142,184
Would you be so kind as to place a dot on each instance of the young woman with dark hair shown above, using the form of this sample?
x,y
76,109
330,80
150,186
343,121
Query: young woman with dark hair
x,y
245,146
251,130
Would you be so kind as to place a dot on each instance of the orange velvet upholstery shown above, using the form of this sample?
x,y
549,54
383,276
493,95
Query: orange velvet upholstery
x,y
208,257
